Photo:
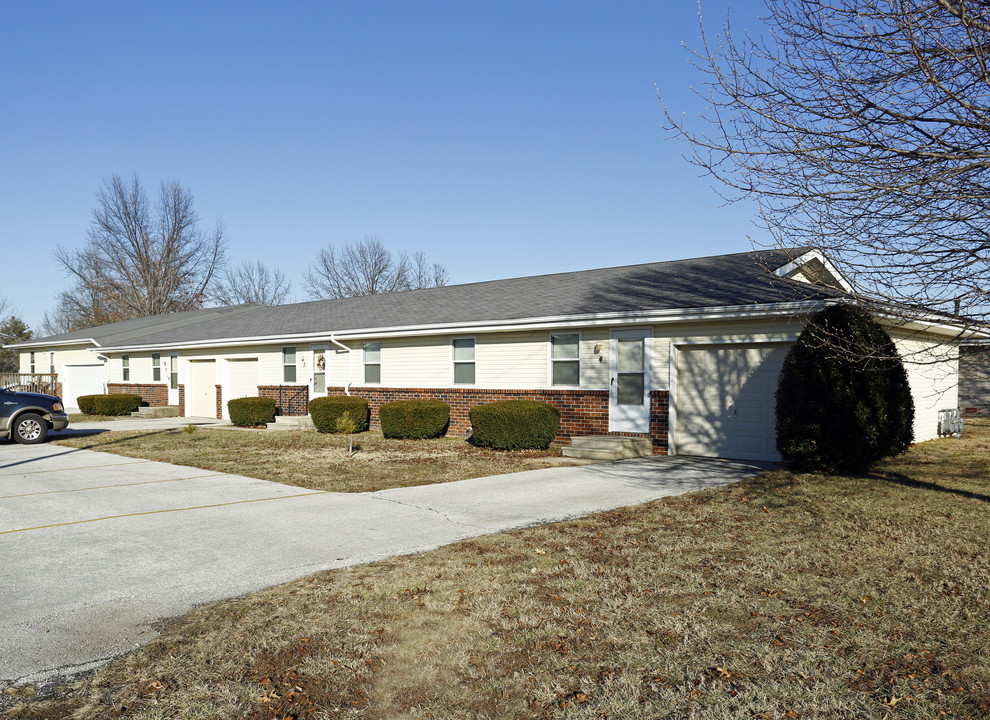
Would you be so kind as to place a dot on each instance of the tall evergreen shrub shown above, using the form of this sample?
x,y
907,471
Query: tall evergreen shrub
x,y
843,399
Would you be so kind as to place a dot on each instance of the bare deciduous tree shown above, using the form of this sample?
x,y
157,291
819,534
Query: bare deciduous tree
x,y
861,127
369,268
140,259
251,283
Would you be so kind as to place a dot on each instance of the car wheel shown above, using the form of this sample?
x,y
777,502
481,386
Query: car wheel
x,y
30,429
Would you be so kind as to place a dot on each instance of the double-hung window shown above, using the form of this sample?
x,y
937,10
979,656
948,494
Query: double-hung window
x,y
31,368
156,367
565,359
372,363
289,364
51,361
125,363
462,354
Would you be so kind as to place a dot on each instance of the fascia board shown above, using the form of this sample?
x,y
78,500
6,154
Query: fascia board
x,y
590,320
27,344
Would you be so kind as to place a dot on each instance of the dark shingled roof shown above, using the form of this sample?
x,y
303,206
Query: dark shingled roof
x,y
719,281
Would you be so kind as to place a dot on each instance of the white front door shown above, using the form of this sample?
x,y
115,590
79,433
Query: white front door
x,y
319,387
173,378
630,380
201,391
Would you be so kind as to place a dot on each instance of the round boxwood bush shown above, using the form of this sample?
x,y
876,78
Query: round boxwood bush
x,y
843,399
515,424
414,419
251,411
325,412
117,404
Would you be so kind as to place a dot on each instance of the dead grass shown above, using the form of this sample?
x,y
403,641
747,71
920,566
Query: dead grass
x,y
317,461
84,418
787,596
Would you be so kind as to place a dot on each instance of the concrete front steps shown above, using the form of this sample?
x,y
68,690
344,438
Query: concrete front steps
x,y
167,411
608,447
292,422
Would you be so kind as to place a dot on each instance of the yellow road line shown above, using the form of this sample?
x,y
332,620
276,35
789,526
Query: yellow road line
x,y
159,512
104,487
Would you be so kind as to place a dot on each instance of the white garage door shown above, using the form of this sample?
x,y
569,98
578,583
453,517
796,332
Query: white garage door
x,y
201,395
242,379
81,380
725,400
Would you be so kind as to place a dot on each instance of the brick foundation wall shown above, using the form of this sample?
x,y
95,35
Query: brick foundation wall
x,y
289,399
219,402
182,400
582,412
152,395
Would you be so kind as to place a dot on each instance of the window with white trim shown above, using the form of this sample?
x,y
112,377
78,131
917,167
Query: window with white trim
x,y
462,356
32,362
289,364
173,375
125,368
156,367
565,359
51,361
372,363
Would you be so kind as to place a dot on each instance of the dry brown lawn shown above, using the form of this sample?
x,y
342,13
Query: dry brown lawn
x,y
317,461
786,596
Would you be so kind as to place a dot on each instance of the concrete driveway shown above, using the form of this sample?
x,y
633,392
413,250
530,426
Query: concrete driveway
x,y
97,550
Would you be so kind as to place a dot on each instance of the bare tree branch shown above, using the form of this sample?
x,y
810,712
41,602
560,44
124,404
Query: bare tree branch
x,y
251,283
369,268
860,127
139,259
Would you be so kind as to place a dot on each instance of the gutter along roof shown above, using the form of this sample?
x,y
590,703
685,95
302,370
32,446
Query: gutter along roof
x,y
742,283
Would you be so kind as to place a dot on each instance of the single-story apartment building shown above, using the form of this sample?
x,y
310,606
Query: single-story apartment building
x,y
685,353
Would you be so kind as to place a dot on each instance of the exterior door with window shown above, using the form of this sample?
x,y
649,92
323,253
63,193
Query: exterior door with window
x,y
173,378
630,381
319,388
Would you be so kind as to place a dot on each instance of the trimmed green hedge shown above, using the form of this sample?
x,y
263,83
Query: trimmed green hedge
x,y
515,424
414,419
251,411
326,410
122,404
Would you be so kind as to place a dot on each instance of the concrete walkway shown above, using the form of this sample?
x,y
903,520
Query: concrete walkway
x,y
97,550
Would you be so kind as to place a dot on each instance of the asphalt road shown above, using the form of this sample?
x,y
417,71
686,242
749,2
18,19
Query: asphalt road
x,y
96,550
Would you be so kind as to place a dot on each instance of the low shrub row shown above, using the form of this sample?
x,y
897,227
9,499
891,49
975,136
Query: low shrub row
x,y
505,425
251,411
122,404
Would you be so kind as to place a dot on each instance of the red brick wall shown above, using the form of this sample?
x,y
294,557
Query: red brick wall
x,y
289,399
582,412
152,395
182,400
219,402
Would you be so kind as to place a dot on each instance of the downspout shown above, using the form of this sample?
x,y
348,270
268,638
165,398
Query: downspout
x,y
350,365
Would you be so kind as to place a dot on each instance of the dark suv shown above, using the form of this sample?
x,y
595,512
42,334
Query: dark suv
x,y
28,417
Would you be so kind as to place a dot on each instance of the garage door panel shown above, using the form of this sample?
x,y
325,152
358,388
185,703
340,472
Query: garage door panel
x,y
79,380
242,376
725,400
202,400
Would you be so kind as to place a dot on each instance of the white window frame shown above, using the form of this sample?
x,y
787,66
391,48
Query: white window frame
x,y
365,363
31,362
473,361
551,360
156,367
125,368
294,366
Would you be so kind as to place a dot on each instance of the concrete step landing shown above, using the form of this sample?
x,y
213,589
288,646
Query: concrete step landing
x,y
292,422
167,411
608,447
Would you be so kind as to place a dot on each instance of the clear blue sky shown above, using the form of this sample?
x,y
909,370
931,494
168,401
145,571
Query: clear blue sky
x,y
501,138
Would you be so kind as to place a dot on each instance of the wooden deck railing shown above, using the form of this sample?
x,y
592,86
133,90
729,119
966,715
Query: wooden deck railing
x,y
46,383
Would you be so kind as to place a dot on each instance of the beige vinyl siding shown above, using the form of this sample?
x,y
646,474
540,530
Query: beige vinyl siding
x,y
512,360
594,366
933,372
